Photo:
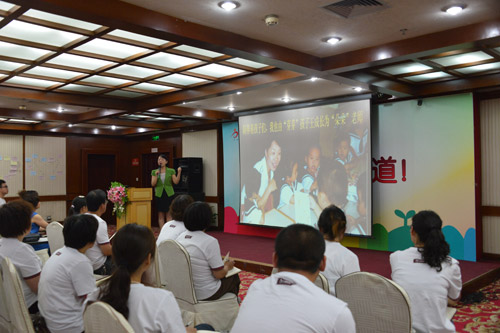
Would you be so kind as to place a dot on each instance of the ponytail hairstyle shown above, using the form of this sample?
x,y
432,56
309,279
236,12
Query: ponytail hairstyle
x,y
332,222
131,247
30,196
77,204
427,225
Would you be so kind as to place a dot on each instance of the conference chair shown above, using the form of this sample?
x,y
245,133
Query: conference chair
x,y
43,254
176,275
377,304
321,281
101,317
14,315
55,236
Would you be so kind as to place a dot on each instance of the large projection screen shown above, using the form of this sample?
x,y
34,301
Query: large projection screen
x,y
295,163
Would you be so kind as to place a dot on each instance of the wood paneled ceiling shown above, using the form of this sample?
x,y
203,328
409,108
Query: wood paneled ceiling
x,y
116,68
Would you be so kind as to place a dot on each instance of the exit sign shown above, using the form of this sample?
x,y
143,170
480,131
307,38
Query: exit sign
x,y
156,137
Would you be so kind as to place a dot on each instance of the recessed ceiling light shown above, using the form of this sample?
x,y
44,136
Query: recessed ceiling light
x,y
286,99
454,10
333,40
183,103
141,130
96,131
229,5
60,109
113,127
314,78
70,125
22,107
230,108
358,89
239,93
198,114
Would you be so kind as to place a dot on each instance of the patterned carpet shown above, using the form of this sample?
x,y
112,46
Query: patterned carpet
x,y
480,317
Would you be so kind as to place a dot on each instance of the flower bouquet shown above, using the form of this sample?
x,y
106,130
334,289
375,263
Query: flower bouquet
x,y
117,194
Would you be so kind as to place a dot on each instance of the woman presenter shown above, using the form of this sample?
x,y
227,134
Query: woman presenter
x,y
162,179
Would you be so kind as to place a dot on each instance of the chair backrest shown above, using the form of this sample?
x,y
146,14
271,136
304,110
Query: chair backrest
x,y
101,317
55,236
12,291
175,270
321,281
377,303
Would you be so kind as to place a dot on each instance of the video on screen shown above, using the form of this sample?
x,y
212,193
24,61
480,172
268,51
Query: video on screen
x,y
295,163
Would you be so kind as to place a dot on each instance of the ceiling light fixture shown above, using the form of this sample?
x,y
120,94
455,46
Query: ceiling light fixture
x,y
60,109
286,99
333,40
358,89
454,10
113,127
239,93
228,5
314,78
141,130
96,131
198,114
231,108
70,125
22,107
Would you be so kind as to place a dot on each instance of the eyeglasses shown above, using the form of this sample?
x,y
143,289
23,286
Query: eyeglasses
x,y
5,186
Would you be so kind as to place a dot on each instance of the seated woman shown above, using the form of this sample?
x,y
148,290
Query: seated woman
x,y
147,309
208,269
38,224
78,206
340,261
16,223
175,227
428,274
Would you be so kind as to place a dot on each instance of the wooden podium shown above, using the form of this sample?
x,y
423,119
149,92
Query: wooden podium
x,y
138,209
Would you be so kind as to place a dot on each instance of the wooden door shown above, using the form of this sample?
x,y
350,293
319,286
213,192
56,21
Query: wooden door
x,y
101,171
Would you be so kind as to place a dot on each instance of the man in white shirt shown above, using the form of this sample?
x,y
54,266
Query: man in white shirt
x,y
100,253
15,224
4,190
172,229
289,301
67,277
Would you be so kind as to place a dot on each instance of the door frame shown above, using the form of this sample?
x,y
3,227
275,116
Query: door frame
x,y
85,163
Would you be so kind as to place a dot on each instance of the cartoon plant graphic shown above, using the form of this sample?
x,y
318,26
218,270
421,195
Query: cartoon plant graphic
x,y
399,238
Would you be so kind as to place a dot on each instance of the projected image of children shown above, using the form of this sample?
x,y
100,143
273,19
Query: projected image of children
x,y
295,163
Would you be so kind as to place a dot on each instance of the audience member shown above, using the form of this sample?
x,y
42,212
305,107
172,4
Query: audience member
x,y
428,274
147,309
175,227
38,224
4,190
208,269
340,261
67,277
100,253
78,206
15,223
289,301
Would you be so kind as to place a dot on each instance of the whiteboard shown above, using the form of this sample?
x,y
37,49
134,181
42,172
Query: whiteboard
x,y
45,159
11,162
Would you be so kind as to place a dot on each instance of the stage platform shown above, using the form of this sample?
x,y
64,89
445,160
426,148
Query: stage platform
x,y
254,254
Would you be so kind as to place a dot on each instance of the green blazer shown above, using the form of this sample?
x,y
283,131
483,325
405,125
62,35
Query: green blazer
x,y
167,185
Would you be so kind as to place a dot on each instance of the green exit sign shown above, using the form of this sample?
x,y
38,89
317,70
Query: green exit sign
x,y
156,137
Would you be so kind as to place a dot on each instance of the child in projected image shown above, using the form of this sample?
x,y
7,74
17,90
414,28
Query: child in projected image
x,y
290,186
309,180
332,189
357,210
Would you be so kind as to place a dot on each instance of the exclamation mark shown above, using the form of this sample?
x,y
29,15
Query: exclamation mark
x,y
403,165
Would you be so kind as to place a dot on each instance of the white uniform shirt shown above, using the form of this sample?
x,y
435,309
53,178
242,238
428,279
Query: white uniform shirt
x,y
27,263
205,255
94,253
289,302
2,202
428,289
171,230
153,310
66,278
340,261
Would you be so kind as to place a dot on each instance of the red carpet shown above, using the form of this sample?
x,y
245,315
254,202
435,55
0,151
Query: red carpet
x,y
261,249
